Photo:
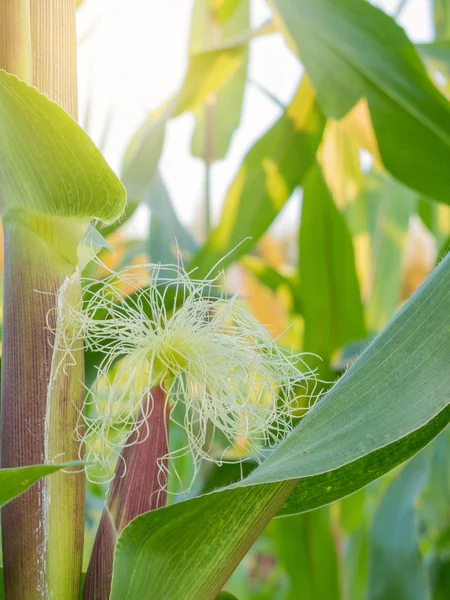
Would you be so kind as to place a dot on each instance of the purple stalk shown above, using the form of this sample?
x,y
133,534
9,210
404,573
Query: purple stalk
x,y
139,485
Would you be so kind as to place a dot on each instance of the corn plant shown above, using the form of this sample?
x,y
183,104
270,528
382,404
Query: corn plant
x,y
152,385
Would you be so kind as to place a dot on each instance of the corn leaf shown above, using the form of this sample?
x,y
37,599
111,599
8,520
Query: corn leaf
x,y
306,549
388,405
394,207
272,169
331,299
396,566
48,164
353,50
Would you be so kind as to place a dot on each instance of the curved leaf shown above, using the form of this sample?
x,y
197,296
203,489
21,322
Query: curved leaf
x,y
396,567
388,405
353,50
331,299
306,549
48,164
272,169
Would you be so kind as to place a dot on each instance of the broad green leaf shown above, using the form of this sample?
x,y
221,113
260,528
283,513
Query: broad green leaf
x,y
386,407
396,567
353,50
272,169
307,551
331,300
219,117
48,164
394,208
206,73
226,596
435,499
355,562
14,482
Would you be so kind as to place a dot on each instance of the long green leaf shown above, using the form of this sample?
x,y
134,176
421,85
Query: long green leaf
x,y
14,482
331,299
394,207
353,50
307,551
355,561
396,567
272,169
388,405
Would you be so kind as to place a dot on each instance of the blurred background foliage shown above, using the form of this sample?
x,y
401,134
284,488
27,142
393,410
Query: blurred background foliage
x,y
363,149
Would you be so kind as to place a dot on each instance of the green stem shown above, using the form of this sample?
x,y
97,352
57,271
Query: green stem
x,y
42,530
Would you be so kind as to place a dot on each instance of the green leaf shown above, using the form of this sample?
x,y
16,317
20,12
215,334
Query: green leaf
x,y
387,406
353,50
306,550
435,499
14,482
48,164
220,116
355,561
331,299
396,567
394,208
272,169
351,511
226,596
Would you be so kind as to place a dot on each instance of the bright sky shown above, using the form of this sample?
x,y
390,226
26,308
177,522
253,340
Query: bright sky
x,y
133,55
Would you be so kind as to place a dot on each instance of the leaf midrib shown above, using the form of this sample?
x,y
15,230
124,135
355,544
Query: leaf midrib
x,y
372,78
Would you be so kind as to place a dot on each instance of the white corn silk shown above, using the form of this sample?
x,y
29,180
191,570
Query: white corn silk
x,y
226,379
